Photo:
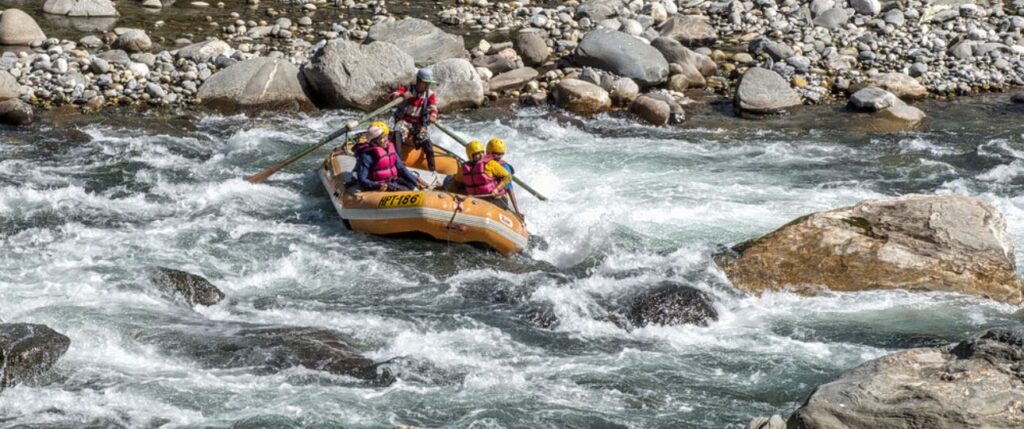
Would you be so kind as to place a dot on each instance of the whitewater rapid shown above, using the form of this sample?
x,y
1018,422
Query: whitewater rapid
x,y
87,208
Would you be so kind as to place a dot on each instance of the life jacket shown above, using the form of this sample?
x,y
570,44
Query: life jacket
x,y
511,170
474,176
385,163
409,109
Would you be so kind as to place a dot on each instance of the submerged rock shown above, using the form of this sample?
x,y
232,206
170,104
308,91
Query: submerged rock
x,y
268,349
256,85
899,84
672,304
28,350
16,112
948,243
194,289
347,74
426,43
976,383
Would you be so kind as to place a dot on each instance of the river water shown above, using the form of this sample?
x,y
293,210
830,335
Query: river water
x,y
89,204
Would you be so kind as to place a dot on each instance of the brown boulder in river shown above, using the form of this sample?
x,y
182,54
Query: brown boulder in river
x,y
948,243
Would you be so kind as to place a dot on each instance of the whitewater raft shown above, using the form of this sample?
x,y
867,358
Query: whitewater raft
x,y
439,215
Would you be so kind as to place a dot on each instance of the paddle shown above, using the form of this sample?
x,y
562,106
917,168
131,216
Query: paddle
x,y
263,175
514,178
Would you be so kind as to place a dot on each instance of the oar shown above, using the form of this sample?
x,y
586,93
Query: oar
x,y
263,175
514,178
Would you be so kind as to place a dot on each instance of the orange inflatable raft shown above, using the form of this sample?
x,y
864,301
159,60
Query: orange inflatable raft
x,y
441,215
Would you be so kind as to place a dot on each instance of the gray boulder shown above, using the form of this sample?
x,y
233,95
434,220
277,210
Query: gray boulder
x,y
16,112
623,55
80,8
532,47
9,86
458,85
942,243
500,62
675,53
773,422
833,18
690,30
762,91
205,51
871,99
512,80
866,7
27,351
195,290
134,40
904,113
973,384
672,304
581,97
256,85
420,39
18,28
347,74
598,10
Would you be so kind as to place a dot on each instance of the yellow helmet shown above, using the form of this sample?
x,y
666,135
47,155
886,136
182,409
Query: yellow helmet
x,y
474,147
496,145
382,126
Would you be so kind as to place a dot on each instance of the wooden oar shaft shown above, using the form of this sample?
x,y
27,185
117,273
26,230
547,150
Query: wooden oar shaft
x,y
514,178
263,175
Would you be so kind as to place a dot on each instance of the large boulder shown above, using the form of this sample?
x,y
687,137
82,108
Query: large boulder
x,y
80,8
948,243
581,97
420,39
347,74
901,85
690,30
512,80
762,91
974,384
28,350
256,85
18,28
623,55
458,85
651,109
675,53
672,304
195,290
532,46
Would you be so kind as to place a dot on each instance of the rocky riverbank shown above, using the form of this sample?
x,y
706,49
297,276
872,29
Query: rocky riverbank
x,y
651,58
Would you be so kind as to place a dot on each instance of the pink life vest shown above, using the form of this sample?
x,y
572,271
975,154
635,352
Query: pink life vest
x,y
385,164
475,177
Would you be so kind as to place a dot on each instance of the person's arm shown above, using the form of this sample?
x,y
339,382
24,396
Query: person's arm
x,y
432,105
406,173
398,93
363,166
497,171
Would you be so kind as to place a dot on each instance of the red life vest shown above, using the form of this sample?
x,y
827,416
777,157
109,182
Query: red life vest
x,y
385,164
475,177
